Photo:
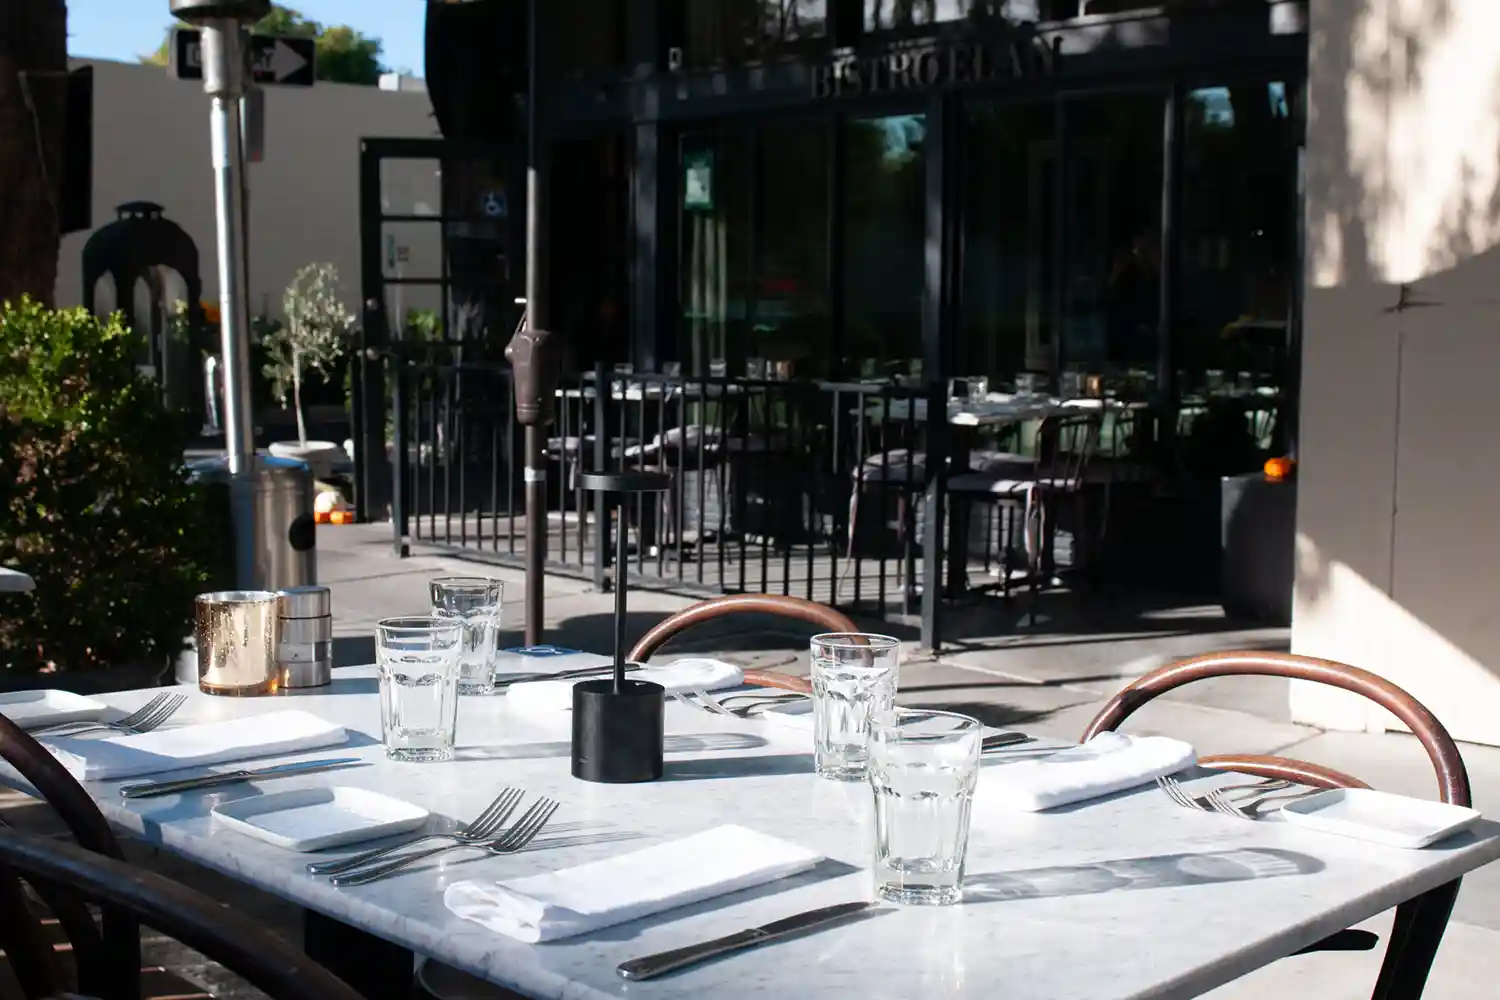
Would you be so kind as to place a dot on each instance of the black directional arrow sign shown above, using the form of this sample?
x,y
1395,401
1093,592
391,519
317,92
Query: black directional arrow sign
x,y
289,62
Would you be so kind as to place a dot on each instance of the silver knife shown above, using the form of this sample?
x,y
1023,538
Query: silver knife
x,y
669,961
231,777
1005,740
565,675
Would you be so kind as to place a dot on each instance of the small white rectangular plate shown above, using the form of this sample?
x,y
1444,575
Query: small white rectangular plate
x,y
1380,817
36,709
311,819
795,715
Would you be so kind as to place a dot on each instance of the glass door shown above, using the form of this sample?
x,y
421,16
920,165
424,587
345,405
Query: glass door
x,y
1066,280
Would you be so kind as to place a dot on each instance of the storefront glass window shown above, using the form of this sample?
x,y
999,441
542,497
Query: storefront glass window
x,y
754,250
885,244
889,15
727,32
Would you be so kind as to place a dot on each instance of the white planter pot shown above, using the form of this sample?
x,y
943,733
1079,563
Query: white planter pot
x,y
320,456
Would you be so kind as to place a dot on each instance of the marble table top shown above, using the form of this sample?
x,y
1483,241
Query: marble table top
x,y
1123,897
13,581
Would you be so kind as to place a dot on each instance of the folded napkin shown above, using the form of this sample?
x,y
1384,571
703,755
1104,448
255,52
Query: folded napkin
x,y
192,746
629,886
1110,762
678,676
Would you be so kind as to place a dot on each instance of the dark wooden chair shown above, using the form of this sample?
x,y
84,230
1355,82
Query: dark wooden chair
x,y
66,875
1420,922
69,920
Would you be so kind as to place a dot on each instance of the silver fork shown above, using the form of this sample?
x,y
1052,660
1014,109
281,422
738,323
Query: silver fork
x,y
1204,803
517,837
144,719
481,828
1251,809
703,702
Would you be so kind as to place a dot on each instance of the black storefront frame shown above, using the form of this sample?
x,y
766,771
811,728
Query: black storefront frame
x,y
1182,51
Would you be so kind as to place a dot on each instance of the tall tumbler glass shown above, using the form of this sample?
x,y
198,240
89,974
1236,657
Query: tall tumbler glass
x,y
476,602
923,767
853,676
418,663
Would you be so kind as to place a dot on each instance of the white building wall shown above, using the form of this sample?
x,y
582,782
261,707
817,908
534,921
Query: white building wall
x,y
151,143
1399,483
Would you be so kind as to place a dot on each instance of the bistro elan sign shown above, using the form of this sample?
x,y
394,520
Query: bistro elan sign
x,y
924,66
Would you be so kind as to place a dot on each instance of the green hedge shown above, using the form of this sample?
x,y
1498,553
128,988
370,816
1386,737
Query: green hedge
x,y
94,501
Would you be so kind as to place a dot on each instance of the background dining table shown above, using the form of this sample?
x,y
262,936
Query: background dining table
x,y
1122,897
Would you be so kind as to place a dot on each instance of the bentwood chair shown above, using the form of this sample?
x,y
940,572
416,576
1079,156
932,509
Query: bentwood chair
x,y
66,875
69,918
1420,922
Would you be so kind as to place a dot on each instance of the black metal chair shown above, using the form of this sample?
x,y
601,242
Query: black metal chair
x,y
1053,493
66,876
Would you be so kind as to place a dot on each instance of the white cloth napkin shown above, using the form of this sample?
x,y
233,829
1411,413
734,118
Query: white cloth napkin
x,y
193,746
1110,762
678,676
629,886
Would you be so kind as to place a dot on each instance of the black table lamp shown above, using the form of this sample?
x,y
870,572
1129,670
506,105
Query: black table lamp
x,y
617,723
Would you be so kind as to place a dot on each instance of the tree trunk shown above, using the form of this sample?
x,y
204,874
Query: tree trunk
x,y
297,400
33,114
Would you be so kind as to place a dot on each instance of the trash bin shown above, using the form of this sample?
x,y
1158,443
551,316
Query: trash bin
x,y
285,532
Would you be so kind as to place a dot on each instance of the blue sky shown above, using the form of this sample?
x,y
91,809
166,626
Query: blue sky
x,y
125,29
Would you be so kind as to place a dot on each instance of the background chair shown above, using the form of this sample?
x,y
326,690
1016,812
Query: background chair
x,y
67,874
1053,494
1420,922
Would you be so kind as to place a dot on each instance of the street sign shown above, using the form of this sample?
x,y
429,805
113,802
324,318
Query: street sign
x,y
288,62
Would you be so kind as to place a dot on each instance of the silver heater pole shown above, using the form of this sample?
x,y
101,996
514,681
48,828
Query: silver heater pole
x,y
224,70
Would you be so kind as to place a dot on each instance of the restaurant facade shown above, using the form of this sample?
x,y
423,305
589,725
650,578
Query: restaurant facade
x,y
1171,202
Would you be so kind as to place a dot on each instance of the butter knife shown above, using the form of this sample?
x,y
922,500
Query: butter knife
x,y
669,961
151,788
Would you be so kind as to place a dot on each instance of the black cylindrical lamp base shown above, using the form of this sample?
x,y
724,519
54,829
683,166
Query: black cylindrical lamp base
x,y
618,737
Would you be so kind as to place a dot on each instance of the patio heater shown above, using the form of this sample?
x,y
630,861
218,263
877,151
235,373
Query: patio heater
x,y
532,352
618,734
225,69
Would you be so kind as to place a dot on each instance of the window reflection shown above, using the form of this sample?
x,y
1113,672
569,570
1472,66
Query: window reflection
x,y
725,32
885,243
1238,240
754,232
886,15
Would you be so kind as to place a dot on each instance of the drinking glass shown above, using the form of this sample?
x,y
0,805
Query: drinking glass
x,y
923,766
475,601
418,663
853,677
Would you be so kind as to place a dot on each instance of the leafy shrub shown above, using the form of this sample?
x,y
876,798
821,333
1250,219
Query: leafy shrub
x,y
94,501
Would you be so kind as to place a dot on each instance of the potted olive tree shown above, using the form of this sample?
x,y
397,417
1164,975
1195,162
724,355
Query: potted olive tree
x,y
312,336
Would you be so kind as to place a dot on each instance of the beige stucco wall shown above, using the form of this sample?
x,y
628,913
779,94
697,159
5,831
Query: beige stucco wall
x,y
151,143
1398,520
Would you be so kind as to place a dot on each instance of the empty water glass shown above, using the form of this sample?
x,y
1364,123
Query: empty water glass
x,y
476,602
418,663
923,767
853,677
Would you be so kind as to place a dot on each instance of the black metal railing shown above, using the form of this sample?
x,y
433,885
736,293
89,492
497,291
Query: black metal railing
x,y
810,489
